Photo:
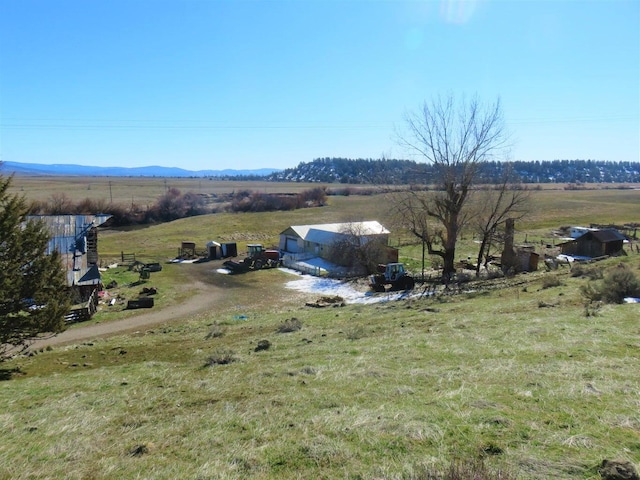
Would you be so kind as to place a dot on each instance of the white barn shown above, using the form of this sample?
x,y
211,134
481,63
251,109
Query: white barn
x,y
317,239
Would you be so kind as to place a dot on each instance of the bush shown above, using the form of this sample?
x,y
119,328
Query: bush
x,y
290,325
216,331
617,283
220,357
248,201
551,281
461,470
592,292
591,273
356,333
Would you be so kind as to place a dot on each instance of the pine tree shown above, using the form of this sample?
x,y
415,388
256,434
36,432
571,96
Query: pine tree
x,y
34,297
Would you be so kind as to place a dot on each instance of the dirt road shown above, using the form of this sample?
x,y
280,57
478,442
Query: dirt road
x,y
202,301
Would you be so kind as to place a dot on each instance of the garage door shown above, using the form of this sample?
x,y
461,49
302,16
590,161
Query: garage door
x,y
291,245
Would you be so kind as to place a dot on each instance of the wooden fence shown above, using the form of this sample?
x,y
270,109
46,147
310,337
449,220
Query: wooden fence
x,y
83,314
128,258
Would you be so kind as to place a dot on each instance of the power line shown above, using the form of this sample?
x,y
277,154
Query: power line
x,y
27,125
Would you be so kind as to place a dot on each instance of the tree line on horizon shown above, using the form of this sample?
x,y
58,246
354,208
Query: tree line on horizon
x,y
409,172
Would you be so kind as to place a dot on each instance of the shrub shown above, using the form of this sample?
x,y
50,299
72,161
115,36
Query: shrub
x,y
551,281
618,283
463,277
461,470
581,271
592,292
216,331
355,333
262,345
220,357
290,325
592,309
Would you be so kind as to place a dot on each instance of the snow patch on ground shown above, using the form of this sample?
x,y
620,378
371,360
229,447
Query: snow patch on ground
x,y
183,260
332,287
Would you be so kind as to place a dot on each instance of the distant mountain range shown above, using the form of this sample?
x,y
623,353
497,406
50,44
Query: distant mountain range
x,y
151,171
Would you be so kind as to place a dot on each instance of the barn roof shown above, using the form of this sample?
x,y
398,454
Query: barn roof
x,y
605,235
66,230
324,233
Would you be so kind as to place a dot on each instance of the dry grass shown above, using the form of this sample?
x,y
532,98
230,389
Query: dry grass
x,y
138,190
537,393
398,390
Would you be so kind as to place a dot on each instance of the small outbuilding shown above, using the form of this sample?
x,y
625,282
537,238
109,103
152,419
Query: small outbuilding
x,y
214,250
229,249
595,243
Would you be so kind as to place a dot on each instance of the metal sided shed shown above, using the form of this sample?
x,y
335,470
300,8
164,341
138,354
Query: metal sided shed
x,y
214,250
229,250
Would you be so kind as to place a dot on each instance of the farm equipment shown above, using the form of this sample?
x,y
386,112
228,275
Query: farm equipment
x,y
257,258
393,275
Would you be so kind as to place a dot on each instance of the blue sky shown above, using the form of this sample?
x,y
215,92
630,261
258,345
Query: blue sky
x,y
210,84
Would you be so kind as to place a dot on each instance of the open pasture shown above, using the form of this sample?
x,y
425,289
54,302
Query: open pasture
x,y
549,211
138,190
552,204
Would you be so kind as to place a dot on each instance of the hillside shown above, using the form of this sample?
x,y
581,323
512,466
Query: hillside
x,y
263,387
518,373
404,172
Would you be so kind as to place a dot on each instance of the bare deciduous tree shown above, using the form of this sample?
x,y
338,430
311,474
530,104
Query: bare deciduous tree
x,y
356,249
454,137
493,206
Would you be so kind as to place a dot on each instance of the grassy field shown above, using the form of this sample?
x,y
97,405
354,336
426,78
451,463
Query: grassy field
x,y
139,190
514,372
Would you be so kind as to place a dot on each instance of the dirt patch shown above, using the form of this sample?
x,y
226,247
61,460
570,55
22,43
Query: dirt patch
x,y
207,295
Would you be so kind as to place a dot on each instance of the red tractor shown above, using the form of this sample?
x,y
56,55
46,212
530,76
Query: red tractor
x,y
257,258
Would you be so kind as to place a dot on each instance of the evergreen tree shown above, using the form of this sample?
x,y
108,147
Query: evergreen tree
x,y
34,297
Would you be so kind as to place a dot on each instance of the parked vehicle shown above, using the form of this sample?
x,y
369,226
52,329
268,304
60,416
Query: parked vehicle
x,y
257,258
392,275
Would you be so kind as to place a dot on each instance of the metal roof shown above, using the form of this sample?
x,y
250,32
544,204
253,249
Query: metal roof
x,y
607,235
67,230
326,233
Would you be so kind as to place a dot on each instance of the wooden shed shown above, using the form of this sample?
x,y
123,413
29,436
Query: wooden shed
x,y
595,243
